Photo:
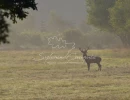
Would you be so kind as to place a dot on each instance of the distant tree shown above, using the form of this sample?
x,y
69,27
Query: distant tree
x,y
120,20
85,27
112,16
13,9
57,23
73,35
98,14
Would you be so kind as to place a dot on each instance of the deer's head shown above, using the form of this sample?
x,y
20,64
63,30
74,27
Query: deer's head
x,y
84,51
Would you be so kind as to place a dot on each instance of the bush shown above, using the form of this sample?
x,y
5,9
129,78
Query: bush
x,y
73,35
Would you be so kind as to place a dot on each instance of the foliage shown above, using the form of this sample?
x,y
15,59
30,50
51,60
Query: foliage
x,y
98,14
27,39
120,19
3,29
16,8
73,35
111,15
57,23
95,38
84,27
13,9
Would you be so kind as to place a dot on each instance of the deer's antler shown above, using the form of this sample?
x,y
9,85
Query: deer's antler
x,y
87,48
80,49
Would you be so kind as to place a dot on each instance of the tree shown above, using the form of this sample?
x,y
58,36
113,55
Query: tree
x,y
98,14
57,23
85,27
3,29
112,16
120,20
73,35
13,9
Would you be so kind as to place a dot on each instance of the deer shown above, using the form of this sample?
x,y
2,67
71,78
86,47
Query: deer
x,y
90,59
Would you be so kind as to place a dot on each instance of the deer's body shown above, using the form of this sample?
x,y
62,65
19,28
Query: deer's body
x,y
91,59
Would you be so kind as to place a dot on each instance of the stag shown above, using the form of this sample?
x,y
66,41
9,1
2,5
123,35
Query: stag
x,y
90,59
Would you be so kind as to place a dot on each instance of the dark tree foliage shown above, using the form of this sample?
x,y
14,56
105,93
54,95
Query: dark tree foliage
x,y
13,9
112,16
98,13
3,30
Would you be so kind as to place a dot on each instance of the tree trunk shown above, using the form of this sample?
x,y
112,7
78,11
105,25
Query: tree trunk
x,y
125,38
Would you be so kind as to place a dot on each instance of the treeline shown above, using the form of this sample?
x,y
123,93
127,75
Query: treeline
x,y
82,35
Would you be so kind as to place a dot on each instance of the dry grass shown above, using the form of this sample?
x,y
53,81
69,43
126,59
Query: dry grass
x,y
21,78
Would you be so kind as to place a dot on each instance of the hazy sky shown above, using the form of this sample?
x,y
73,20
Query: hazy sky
x,y
73,10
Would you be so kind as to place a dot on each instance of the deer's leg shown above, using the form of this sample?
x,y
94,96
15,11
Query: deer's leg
x,y
88,66
99,66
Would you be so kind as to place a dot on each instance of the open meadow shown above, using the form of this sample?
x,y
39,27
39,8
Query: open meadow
x,y
23,78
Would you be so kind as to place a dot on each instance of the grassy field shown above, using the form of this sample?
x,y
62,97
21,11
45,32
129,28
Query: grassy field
x,y
22,78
